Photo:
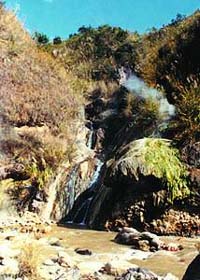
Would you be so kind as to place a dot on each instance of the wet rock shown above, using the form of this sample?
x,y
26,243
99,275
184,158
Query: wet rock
x,y
128,236
145,241
193,270
83,251
143,245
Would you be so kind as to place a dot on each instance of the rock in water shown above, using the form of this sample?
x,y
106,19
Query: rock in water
x,y
193,270
143,274
140,274
83,251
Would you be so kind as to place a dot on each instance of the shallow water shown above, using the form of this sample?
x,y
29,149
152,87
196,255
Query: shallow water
x,y
104,249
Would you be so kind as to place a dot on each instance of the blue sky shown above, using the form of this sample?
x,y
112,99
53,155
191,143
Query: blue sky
x,y
64,17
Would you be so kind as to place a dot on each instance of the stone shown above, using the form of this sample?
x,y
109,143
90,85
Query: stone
x,y
54,241
83,251
139,274
130,230
126,238
144,245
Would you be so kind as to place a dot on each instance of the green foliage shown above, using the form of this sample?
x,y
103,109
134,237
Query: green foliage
x,y
96,53
153,157
164,163
57,40
171,53
169,58
178,19
42,177
185,128
40,38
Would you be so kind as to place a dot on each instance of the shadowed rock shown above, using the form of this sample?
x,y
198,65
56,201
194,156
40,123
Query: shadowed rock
x,y
193,270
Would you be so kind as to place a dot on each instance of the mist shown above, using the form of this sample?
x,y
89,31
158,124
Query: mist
x,y
138,87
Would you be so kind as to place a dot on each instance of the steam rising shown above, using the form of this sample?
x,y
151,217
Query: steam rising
x,y
140,89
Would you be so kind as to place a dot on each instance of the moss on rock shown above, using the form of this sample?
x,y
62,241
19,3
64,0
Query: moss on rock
x,y
153,156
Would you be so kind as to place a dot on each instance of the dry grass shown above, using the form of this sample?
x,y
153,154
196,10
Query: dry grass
x,y
29,261
36,93
33,87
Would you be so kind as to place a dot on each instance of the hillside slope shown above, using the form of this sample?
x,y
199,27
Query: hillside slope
x,y
38,111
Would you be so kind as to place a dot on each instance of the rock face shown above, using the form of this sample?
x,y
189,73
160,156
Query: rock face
x,y
193,270
191,154
66,188
137,187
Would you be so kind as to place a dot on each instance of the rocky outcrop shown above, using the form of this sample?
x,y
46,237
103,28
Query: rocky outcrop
x,y
193,270
138,188
191,154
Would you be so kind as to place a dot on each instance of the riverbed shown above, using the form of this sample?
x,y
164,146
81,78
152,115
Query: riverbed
x,y
104,249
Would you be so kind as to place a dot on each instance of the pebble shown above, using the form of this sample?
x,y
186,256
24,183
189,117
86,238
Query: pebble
x,y
83,251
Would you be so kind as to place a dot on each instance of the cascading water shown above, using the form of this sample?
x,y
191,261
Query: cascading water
x,y
80,212
90,140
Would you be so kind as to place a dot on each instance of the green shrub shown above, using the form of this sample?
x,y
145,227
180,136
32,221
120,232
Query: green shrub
x,y
164,163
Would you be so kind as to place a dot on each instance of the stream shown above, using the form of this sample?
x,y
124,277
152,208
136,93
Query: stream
x,y
105,250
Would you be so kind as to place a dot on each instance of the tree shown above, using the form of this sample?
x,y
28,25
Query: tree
x,y
40,38
57,40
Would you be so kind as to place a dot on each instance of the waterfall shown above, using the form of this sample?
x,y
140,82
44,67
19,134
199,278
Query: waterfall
x,y
90,140
81,208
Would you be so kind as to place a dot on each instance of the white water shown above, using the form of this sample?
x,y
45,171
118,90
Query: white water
x,y
86,204
96,174
138,87
90,138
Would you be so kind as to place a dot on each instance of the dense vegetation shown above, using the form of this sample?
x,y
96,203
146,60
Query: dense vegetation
x,y
167,59
96,53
